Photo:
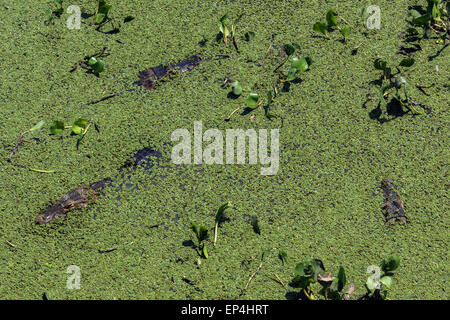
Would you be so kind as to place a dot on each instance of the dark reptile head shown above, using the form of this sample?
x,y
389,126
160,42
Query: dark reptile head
x,y
42,219
49,214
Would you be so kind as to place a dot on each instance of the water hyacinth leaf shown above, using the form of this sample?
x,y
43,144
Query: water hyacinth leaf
x,y
37,126
205,252
317,268
99,66
202,234
194,228
387,72
100,18
422,20
92,61
331,18
221,211
302,65
56,127
296,63
412,32
269,97
289,49
386,281
320,27
237,89
435,12
252,100
380,64
224,30
300,269
79,126
345,31
399,81
407,62
103,7
414,13
391,263
292,74
371,284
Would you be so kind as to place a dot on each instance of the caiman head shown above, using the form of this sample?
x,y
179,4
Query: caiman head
x,y
49,214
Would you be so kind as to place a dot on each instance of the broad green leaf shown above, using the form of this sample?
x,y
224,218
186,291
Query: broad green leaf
x,y
252,100
407,62
292,74
99,66
422,20
194,228
320,27
269,97
221,211
79,126
99,18
371,284
37,126
386,281
380,64
399,81
412,31
104,9
387,72
331,18
226,32
92,61
300,269
391,263
296,63
345,31
289,49
205,252
237,89
56,127
414,13
302,65
203,233
436,13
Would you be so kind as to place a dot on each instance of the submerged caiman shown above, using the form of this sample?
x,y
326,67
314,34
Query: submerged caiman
x,y
82,196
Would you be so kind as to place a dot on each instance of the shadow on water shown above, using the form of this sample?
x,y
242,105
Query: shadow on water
x,y
394,110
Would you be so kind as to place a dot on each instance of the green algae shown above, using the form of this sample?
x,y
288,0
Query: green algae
x,y
325,201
